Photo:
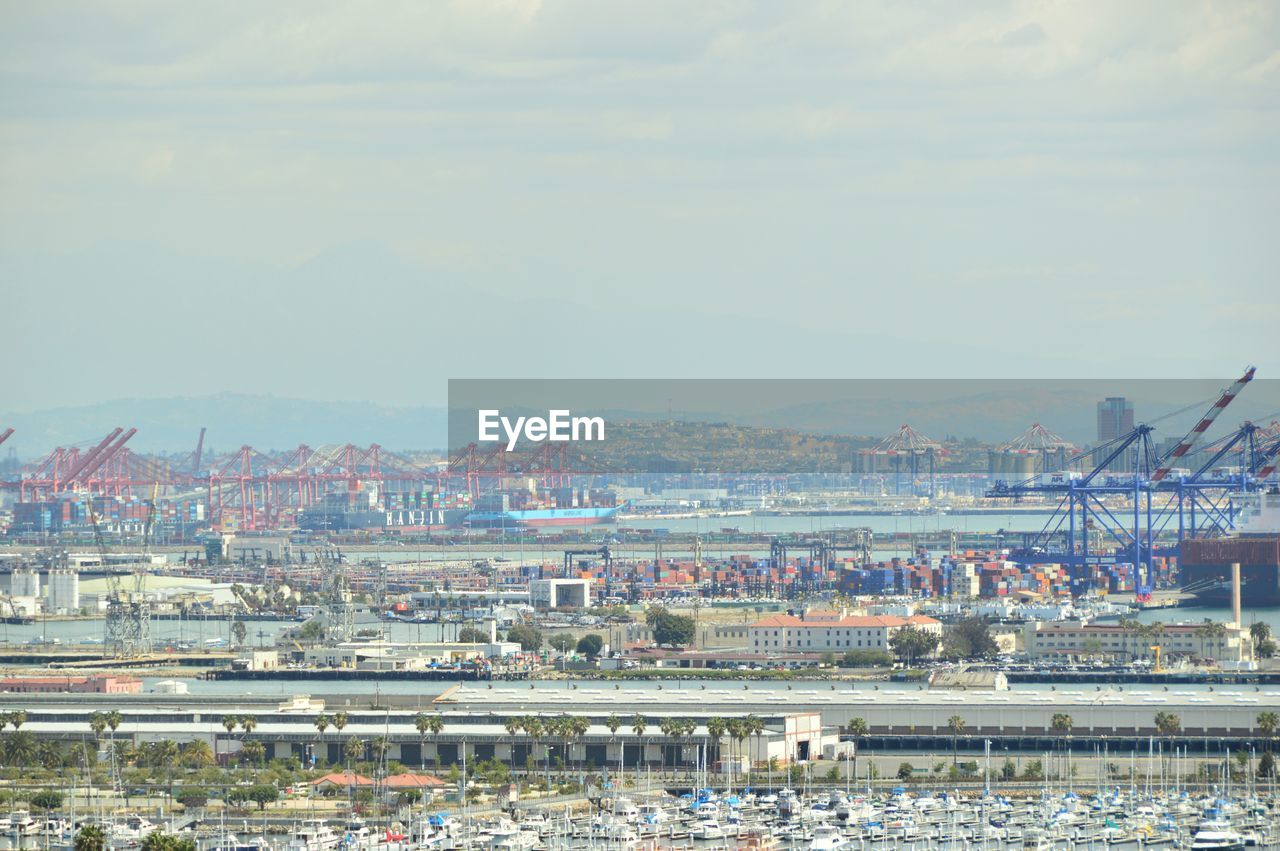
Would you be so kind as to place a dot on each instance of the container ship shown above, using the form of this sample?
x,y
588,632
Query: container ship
x,y
1205,566
541,517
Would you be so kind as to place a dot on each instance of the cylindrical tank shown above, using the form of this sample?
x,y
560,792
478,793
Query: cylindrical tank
x,y
64,590
24,582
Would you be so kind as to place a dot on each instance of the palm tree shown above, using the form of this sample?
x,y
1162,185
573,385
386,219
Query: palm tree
x,y
423,722
668,727
613,722
638,726
1268,723
20,749
97,723
247,724
737,730
575,727
534,729
1061,724
17,719
253,752
857,728
715,732
1168,724
229,723
197,754
49,754
322,724
380,746
512,726
956,724
90,838
755,727
352,749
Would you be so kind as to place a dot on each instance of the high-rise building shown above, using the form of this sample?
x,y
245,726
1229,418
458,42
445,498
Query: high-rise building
x,y
1115,419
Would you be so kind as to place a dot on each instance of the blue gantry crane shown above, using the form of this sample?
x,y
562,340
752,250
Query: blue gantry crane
x,y
1161,502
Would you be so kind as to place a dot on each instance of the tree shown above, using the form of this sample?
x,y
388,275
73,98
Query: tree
x,y
1268,723
426,723
562,642
263,794
913,643
715,733
1259,631
91,837
590,645
353,750
17,719
613,722
159,841
20,749
247,723
866,659
638,726
322,723
857,729
312,630
956,725
253,752
905,770
97,723
968,639
1061,723
238,633
676,630
197,754
471,635
1168,724
1267,765
529,638
47,800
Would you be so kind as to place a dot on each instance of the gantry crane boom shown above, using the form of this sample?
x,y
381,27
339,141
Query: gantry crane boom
x,y
4,435
1197,431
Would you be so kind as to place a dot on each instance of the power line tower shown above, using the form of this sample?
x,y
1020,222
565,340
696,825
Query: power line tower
x,y
128,623
339,611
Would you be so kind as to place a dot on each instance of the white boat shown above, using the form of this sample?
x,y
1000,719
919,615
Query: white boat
x,y
22,824
651,816
707,829
231,842
826,837
506,834
313,835
1217,835
706,810
133,827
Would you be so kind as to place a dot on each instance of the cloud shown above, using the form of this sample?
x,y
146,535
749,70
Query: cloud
x,y
749,164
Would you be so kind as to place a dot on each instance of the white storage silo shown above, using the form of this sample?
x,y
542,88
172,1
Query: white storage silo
x,y
64,591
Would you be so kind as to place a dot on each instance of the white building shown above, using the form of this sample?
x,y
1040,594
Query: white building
x,y
63,591
1069,640
553,593
24,582
820,632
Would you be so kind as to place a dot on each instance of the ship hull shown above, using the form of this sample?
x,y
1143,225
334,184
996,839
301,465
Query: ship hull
x,y
1205,571
541,517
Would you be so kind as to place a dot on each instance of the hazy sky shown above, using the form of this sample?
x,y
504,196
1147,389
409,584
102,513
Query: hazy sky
x,y
359,200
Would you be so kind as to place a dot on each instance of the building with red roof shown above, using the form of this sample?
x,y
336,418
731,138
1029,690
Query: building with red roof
x,y
837,632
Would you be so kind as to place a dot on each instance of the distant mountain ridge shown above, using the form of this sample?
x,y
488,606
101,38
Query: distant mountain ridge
x,y
269,422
